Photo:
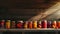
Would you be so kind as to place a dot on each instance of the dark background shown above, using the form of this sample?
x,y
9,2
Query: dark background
x,y
23,9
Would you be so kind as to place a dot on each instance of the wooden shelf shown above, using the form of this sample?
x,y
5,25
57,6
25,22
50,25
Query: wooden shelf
x,y
27,30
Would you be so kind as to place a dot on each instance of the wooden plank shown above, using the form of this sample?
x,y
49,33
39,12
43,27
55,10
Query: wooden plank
x,y
24,30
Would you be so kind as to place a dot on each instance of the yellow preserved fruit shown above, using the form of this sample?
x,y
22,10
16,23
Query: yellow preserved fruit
x,y
34,24
8,24
26,25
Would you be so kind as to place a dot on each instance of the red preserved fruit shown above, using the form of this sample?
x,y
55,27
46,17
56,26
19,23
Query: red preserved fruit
x,y
44,24
2,23
39,24
30,24
58,24
54,24
20,24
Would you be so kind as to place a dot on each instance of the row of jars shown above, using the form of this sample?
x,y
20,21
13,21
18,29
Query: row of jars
x,y
8,24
